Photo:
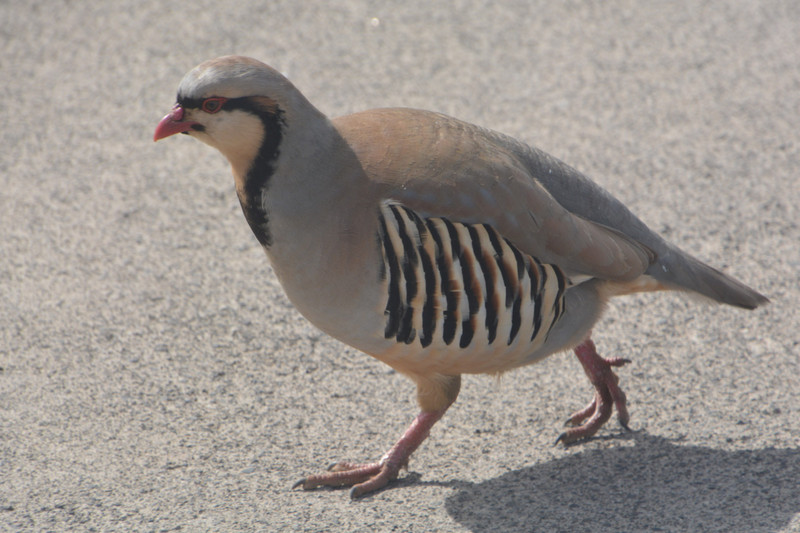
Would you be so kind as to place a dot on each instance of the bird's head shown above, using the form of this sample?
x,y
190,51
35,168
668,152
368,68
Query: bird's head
x,y
235,104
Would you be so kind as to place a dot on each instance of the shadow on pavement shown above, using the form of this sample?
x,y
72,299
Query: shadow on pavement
x,y
654,485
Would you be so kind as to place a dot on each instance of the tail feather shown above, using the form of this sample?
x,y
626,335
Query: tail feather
x,y
682,271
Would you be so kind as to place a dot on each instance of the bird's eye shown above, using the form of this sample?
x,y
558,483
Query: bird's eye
x,y
212,105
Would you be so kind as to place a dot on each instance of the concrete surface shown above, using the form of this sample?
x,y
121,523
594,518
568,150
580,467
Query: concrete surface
x,y
154,377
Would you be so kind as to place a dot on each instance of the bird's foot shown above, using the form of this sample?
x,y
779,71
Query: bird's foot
x,y
588,420
364,478
369,477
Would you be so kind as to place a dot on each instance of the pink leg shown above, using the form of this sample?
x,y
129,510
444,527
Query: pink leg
x,y
374,476
607,395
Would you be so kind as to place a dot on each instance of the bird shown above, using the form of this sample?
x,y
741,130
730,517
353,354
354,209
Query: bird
x,y
438,247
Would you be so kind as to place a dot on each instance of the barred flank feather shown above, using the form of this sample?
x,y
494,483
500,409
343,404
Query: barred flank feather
x,y
449,282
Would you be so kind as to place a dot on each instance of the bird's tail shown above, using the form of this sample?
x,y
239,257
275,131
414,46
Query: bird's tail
x,y
681,271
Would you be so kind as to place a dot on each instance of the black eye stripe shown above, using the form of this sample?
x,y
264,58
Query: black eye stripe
x,y
243,103
190,103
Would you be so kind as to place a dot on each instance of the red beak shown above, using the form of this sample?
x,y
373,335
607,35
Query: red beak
x,y
172,124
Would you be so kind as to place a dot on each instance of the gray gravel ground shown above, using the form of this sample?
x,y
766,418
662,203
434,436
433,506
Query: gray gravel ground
x,y
155,378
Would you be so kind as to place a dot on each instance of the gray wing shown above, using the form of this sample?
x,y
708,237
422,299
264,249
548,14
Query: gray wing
x,y
443,168
672,266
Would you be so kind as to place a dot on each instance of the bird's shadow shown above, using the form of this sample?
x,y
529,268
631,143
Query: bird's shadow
x,y
653,485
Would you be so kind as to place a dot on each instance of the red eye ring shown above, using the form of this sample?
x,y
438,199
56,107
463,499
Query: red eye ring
x,y
213,104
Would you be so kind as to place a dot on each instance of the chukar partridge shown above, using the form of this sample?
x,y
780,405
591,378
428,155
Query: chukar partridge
x,y
436,246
